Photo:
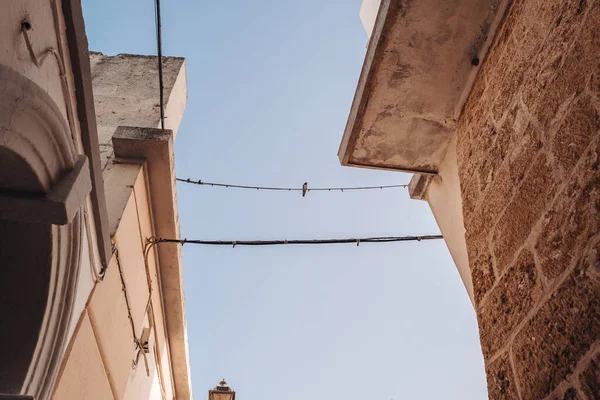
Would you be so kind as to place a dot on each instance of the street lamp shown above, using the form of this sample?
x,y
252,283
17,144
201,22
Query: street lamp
x,y
221,392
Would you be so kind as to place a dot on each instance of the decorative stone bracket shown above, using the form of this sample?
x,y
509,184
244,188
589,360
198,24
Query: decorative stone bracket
x,y
417,188
58,207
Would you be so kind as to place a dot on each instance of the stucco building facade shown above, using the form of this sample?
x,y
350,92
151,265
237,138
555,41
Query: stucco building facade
x,y
90,308
494,106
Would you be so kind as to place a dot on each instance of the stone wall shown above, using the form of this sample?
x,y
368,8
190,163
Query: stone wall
x,y
126,93
528,155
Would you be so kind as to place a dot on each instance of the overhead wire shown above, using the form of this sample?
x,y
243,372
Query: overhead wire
x,y
304,189
233,243
160,67
115,251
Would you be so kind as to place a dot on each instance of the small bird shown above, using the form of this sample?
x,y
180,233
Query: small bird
x,y
304,189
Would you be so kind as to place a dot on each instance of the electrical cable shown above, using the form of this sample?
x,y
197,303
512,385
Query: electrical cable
x,y
304,189
358,241
160,68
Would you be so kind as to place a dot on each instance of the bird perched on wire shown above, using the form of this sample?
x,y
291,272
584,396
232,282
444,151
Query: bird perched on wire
x,y
304,189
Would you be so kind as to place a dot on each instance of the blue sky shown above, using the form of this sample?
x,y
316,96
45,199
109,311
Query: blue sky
x,y
270,86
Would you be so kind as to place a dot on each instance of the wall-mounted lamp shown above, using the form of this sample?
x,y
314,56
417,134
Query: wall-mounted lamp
x,y
221,392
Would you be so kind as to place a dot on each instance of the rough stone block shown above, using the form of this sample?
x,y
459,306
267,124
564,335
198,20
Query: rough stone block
x,y
504,36
580,126
477,104
569,17
574,218
545,55
504,90
558,238
590,378
549,347
538,79
522,213
500,379
493,156
532,28
565,394
508,303
470,195
482,139
525,149
571,69
594,85
571,394
491,180
490,207
583,54
482,273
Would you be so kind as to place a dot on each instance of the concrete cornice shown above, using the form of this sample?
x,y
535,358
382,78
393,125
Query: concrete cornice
x,y
421,62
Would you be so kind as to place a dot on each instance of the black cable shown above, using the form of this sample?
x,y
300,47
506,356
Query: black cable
x,y
381,239
124,289
160,68
290,189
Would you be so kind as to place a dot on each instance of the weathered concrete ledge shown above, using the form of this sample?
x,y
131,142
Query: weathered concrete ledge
x,y
421,62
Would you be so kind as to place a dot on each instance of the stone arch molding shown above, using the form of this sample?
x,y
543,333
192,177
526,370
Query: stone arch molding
x,y
35,135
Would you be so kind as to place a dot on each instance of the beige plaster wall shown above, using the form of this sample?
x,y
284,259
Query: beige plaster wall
x,y
98,361
126,93
43,35
145,384
106,324
89,268
108,315
141,194
84,376
49,45
445,201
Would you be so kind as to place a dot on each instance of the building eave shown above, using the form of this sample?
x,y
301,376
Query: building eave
x,y
417,74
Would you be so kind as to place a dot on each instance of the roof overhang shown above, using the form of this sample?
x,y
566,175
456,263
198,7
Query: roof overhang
x,y
417,74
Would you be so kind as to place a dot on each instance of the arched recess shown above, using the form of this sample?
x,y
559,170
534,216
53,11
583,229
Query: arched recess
x,y
39,263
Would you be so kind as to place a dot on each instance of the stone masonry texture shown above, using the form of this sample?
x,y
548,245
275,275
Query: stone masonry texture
x,y
529,154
